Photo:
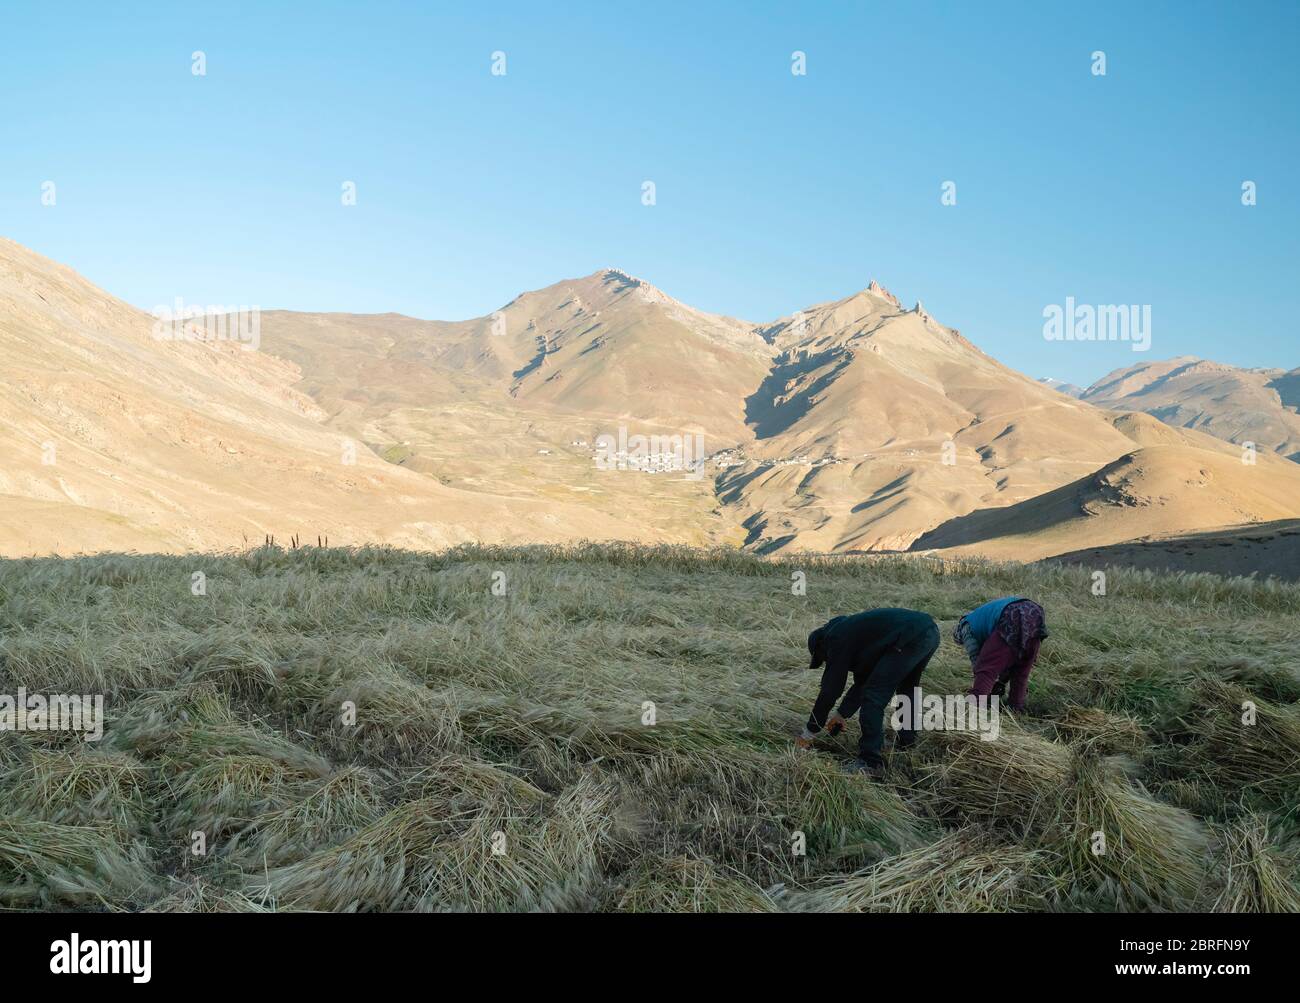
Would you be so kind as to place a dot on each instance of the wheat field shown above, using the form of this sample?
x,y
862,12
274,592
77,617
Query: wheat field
x,y
609,728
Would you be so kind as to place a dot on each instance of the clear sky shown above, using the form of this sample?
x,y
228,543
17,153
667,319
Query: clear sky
x,y
774,191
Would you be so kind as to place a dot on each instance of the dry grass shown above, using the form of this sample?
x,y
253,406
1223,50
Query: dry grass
x,y
687,884
964,871
1242,743
1126,847
1097,731
1260,875
374,730
46,864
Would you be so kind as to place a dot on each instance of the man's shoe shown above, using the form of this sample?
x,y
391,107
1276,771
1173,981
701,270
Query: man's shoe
x,y
872,770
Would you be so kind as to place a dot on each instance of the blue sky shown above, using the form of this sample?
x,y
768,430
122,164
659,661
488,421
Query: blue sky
x,y
773,191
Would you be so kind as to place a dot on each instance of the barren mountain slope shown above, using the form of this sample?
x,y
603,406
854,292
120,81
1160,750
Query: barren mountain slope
x,y
1155,491
855,424
606,348
1238,405
113,439
878,423
852,425
515,402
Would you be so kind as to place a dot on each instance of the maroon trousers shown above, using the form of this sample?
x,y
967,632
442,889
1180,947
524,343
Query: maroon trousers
x,y
999,663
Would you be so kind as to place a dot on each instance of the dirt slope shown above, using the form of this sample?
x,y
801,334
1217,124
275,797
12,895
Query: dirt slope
x,y
1153,491
1238,405
113,439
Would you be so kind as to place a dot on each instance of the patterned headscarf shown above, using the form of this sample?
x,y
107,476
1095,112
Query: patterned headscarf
x,y
1021,622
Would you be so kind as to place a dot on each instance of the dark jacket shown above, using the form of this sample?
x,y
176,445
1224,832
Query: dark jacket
x,y
852,645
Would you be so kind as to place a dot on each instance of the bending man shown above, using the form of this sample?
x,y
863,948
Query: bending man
x,y
885,650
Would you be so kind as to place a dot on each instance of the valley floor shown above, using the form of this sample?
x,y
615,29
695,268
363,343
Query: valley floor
x,y
609,728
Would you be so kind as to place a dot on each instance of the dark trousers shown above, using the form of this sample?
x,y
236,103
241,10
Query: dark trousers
x,y
897,671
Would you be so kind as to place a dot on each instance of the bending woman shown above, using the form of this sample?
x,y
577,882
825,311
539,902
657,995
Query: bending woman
x,y
1002,638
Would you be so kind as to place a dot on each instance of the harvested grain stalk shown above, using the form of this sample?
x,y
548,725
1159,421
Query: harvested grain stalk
x,y
689,884
964,871
1258,874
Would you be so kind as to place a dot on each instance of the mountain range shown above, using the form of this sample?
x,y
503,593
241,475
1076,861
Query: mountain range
x,y
854,425
1260,406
